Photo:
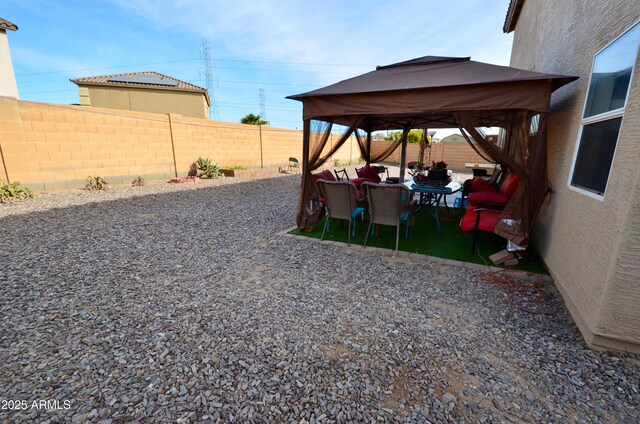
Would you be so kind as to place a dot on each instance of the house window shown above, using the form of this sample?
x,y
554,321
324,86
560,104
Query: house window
x,y
604,108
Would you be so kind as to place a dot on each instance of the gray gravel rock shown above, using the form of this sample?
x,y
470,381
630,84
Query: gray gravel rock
x,y
180,303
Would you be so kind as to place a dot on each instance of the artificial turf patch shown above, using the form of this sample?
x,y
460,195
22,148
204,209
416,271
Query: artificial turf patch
x,y
450,243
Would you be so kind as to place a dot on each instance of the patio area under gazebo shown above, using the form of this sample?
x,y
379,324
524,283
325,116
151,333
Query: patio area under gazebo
x,y
449,244
438,92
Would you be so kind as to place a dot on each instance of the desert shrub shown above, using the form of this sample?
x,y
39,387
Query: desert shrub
x,y
13,191
96,183
336,162
138,182
208,169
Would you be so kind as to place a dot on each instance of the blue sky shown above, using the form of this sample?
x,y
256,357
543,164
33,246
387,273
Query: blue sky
x,y
284,47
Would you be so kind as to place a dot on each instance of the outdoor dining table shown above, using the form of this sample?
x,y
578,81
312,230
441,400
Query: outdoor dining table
x,y
433,195
481,169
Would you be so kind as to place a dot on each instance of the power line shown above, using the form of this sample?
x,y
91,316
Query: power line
x,y
108,67
263,111
268,83
195,60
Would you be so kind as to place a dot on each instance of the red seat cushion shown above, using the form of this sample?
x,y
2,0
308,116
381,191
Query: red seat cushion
x,y
510,184
479,185
370,173
488,220
475,198
358,181
324,175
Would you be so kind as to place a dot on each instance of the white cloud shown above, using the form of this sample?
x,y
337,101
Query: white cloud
x,y
359,32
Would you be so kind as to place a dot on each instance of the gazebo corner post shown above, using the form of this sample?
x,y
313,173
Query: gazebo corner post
x,y
306,176
368,158
403,155
306,138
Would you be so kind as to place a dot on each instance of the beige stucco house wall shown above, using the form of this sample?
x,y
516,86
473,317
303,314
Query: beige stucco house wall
x,y
184,98
8,86
592,246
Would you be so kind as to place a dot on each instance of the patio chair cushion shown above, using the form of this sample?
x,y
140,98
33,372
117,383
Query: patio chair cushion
x,y
370,173
324,175
358,181
475,198
478,185
488,220
510,184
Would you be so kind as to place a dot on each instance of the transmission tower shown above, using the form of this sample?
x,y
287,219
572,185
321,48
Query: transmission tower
x,y
207,59
263,111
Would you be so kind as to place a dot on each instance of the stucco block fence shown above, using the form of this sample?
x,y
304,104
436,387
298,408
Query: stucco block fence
x,y
55,147
456,155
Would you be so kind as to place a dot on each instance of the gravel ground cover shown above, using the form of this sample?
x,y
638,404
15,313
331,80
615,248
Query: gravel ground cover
x,y
181,303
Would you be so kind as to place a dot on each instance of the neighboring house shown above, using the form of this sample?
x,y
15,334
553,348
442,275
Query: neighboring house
x,y
8,86
453,138
458,139
146,91
588,230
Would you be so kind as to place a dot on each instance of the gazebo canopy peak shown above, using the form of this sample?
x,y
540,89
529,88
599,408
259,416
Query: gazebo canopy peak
x,y
430,89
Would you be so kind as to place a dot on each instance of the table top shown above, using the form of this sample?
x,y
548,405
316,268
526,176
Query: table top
x,y
452,187
480,165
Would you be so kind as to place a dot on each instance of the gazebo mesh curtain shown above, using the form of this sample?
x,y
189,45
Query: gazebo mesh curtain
x,y
365,148
526,156
314,154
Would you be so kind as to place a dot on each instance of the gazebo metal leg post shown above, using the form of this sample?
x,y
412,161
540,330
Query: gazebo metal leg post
x,y
326,225
366,237
475,233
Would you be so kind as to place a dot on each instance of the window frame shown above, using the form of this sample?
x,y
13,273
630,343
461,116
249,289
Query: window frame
x,y
605,116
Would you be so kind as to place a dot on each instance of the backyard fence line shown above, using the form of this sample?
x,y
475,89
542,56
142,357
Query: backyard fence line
x,y
49,146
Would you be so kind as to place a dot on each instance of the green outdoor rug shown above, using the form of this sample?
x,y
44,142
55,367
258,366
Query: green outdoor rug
x,y
450,243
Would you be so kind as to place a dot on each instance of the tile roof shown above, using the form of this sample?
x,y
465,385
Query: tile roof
x,y
513,12
4,24
104,80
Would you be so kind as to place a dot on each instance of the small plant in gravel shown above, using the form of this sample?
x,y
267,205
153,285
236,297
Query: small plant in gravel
x,y
208,169
96,183
336,163
179,180
138,182
13,191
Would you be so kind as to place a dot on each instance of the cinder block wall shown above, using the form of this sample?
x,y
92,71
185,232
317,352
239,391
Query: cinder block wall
x,y
54,147
50,147
456,155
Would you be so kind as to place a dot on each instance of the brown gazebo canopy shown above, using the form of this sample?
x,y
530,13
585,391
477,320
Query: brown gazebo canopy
x,y
439,92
